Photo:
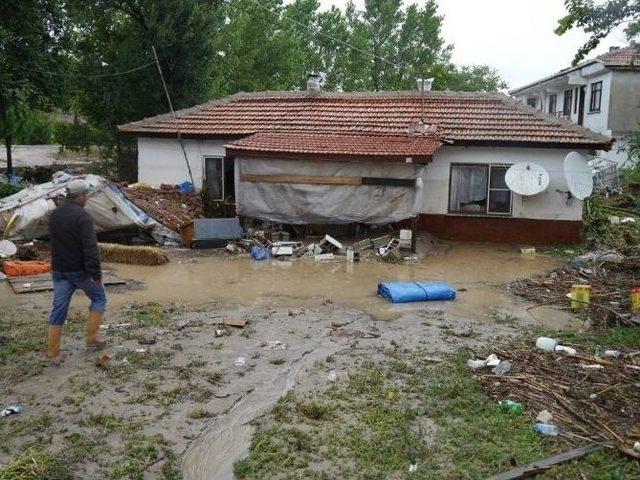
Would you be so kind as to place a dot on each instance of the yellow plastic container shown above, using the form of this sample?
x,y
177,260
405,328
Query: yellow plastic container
x,y
635,300
580,296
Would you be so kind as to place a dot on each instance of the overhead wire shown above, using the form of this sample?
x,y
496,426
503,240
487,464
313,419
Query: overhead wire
x,y
97,75
322,34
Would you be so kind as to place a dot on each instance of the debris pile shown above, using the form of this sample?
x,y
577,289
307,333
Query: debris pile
x,y
263,244
590,398
611,276
168,205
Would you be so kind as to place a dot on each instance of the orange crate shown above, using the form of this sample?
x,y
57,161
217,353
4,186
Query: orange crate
x,y
19,268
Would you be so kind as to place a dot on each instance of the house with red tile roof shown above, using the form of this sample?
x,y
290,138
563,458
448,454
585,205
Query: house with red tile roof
x,y
317,157
602,94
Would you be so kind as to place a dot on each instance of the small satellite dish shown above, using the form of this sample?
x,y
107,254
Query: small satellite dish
x,y
579,175
7,249
527,178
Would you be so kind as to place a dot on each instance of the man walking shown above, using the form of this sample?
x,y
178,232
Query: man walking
x,y
76,265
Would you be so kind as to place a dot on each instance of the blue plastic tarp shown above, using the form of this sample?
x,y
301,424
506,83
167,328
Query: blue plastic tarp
x,y
260,253
405,292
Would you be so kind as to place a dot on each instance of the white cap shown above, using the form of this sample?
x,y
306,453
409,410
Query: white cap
x,y
76,187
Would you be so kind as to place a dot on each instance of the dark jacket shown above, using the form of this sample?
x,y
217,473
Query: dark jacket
x,y
74,247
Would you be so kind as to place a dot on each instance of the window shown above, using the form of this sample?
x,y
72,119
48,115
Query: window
x,y
568,98
553,101
532,102
596,97
479,189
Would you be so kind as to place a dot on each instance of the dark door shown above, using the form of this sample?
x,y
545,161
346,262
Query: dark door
x,y
214,179
581,98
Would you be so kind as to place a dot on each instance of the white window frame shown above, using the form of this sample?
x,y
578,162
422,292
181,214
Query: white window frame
x,y
487,212
489,189
222,175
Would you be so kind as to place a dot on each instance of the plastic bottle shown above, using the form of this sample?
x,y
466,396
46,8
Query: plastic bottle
x,y
567,350
546,429
612,353
547,344
511,406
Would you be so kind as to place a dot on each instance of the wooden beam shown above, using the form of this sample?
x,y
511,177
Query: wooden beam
x,y
302,179
323,180
542,465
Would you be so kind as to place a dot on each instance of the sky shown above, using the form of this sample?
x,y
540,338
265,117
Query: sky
x,y
513,36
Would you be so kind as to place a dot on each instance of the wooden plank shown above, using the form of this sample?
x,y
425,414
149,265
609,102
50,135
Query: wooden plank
x,y
302,179
542,465
233,322
42,283
389,182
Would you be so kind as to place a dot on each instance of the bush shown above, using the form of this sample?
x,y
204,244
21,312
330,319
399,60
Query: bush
x,y
79,136
7,190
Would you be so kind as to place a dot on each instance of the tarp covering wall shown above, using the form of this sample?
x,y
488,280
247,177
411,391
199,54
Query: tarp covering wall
x,y
26,214
327,204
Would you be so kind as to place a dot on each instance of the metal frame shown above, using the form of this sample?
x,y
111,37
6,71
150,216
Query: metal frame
x,y
486,213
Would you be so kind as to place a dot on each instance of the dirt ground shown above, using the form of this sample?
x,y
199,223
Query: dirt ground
x,y
173,399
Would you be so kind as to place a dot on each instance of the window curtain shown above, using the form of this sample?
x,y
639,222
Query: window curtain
x,y
468,186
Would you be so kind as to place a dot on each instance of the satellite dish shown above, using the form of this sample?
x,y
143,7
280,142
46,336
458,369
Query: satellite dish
x,y
7,249
527,178
579,175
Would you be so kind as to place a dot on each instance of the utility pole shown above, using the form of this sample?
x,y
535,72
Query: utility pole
x,y
173,114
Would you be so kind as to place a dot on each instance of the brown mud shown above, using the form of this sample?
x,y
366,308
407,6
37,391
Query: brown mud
x,y
315,309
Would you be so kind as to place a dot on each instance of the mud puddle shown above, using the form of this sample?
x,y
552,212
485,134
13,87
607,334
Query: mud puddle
x,y
476,270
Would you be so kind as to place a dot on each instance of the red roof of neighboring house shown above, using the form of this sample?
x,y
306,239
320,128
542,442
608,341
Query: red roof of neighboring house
x,y
622,57
391,148
464,118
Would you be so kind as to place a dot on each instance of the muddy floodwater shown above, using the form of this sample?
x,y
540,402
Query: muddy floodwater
x,y
316,308
479,272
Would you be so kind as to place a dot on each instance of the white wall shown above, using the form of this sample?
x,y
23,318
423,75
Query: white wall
x,y
598,121
160,160
548,205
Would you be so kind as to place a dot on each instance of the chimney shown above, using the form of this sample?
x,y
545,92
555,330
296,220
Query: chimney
x,y
613,49
314,82
424,83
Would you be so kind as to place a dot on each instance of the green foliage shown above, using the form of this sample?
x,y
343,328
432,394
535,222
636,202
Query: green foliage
x,y
31,34
598,19
7,190
35,463
78,136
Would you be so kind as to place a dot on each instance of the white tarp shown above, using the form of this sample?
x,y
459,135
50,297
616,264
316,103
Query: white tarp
x,y
327,204
25,215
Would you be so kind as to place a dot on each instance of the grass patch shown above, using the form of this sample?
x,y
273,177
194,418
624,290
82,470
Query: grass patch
x,y
400,412
214,378
149,314
35,463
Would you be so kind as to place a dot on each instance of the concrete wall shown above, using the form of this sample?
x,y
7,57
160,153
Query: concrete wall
x,y
548,205
160,160
624,107
598,121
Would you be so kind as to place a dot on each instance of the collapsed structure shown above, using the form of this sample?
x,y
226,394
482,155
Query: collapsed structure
x,y
314,157
25,215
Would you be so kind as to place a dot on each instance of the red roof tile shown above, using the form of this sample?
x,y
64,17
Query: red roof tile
x,y
460,117
391,148
622,57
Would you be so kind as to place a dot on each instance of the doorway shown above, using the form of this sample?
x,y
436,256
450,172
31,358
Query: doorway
x,y
219,186
581,98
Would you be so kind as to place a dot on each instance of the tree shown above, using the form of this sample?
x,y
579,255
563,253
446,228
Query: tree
x,y
31,39
114,36
598,19
475,78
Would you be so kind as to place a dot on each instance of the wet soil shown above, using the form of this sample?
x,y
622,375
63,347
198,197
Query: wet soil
x,y
190,386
